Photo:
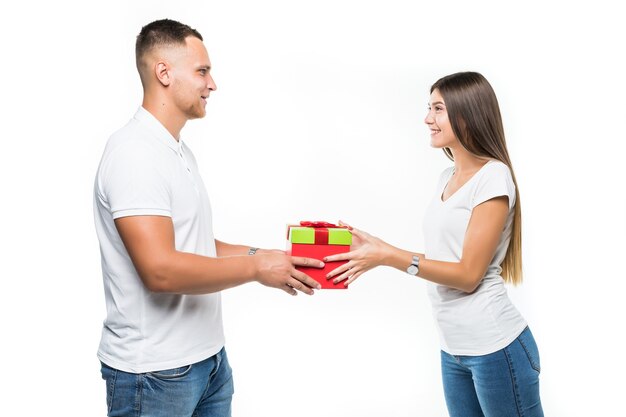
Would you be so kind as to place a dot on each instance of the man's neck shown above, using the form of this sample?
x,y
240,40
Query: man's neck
x,y
169,118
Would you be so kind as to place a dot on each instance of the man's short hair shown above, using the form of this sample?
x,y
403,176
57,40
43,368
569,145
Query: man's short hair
x,y
164,32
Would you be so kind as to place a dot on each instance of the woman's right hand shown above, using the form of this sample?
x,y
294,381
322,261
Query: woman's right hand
x,y
367,252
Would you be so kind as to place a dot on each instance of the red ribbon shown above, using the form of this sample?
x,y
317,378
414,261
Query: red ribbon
x,y
321,230
317,224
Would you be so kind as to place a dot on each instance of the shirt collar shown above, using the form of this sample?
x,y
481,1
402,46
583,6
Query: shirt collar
x,y
146,118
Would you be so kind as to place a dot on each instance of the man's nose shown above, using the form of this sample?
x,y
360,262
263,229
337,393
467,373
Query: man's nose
x,y
211,84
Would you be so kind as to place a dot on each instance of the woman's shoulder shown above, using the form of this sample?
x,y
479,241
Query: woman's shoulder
x,y
495,179
496,168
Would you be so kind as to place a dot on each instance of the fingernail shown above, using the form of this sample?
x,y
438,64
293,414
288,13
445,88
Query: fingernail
x,y
325,259
322,264
319,287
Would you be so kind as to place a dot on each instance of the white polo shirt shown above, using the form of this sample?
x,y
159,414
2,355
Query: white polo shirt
x,y
145,171
485,320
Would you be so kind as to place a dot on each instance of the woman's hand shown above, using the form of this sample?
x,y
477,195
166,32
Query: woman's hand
x,y
367,253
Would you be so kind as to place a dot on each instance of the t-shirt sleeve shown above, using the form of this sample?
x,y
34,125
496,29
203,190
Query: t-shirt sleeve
x,y
134,183
496,181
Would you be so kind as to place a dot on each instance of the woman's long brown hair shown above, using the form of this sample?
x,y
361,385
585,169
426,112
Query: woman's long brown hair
x,y
475,117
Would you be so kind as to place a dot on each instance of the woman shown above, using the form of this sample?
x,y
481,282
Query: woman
x,y
472,235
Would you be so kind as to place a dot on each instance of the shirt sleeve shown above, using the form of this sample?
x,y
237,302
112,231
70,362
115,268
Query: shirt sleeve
x,y
135,184
496,181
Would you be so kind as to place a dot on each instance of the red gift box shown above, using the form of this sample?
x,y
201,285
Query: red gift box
x,y
317,240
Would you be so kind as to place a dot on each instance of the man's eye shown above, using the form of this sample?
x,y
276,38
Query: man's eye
x,y
203,71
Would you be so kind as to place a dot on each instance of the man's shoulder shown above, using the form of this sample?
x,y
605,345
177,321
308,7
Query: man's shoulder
x,y
130,138
131,131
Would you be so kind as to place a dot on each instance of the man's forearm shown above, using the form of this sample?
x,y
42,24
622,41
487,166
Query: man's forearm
x,y
227,249
187,273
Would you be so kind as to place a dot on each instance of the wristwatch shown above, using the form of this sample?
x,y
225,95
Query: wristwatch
x,y
414,268
252,251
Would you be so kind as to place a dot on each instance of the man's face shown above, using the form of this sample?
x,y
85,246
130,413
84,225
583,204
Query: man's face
x,y
191,80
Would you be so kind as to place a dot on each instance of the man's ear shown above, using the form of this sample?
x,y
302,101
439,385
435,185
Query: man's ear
x,y
162,69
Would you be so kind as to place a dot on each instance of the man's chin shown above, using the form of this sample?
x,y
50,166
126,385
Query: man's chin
x,y
196,114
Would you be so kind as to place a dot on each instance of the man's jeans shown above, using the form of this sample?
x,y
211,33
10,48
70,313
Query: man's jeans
x,y
202,389
502,384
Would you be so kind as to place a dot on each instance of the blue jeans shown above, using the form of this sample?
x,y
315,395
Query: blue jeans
x,y
202,389
501,384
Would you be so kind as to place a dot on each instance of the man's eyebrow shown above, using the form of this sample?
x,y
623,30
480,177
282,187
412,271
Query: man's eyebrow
x,y
205,67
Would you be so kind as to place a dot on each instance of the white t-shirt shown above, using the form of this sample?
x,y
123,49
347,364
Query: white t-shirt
x,y
485,320
145,171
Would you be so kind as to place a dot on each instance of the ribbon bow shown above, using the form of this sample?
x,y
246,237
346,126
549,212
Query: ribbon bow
x,y
317,224
321,230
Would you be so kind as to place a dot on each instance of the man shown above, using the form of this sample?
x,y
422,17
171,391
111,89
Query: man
x,y
162,346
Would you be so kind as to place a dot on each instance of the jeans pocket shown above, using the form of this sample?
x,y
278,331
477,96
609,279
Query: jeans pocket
x,y
171,373
110,376
529,345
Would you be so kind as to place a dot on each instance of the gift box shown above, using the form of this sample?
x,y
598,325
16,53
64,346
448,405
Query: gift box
x,y
318,240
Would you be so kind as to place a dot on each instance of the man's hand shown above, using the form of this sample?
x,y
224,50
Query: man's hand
x,y
278,271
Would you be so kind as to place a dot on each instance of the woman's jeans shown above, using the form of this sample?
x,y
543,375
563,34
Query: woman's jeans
x,y
501,384
202,389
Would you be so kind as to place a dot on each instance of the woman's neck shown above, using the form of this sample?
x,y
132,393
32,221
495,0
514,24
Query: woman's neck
x,y
466,163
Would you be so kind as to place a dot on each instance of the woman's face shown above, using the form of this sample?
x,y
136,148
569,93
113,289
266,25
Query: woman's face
x,y
441,134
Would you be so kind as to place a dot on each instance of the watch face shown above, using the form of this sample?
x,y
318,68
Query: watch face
x,y
412,270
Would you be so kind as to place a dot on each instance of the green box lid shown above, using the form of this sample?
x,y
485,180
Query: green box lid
x,y
306,235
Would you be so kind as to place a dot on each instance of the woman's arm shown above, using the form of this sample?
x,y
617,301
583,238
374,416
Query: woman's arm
x,y
481,241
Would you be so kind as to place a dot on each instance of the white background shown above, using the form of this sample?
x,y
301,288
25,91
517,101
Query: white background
x,y
319,116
